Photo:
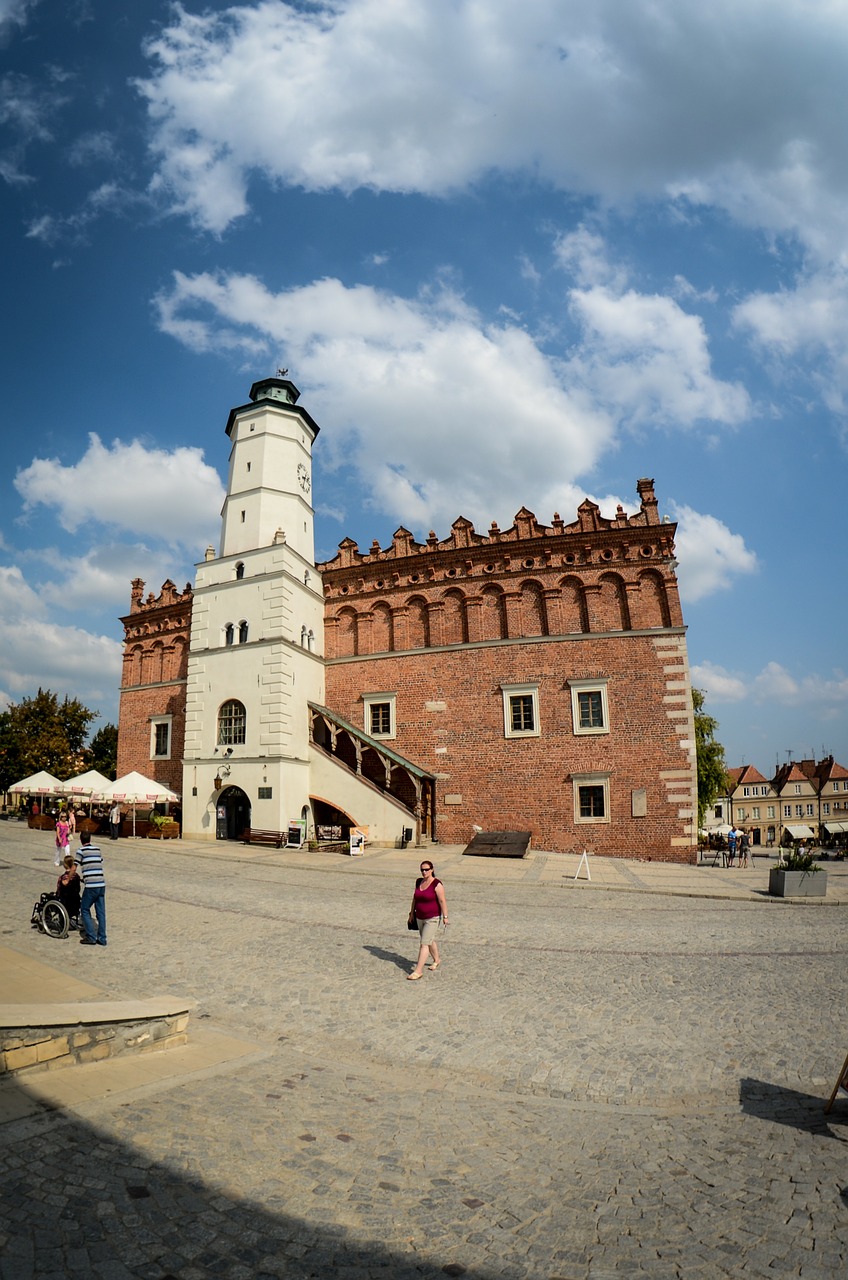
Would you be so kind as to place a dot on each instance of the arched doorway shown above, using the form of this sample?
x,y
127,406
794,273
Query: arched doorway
x,y
233,813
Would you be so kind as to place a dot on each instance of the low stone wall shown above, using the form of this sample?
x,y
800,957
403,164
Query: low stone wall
x,y
45,1037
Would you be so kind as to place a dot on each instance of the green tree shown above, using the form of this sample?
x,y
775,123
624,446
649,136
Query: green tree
x,y
103,751
44,733
712,770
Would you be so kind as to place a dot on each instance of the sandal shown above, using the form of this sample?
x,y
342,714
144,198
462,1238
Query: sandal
x,y
413,977
433,967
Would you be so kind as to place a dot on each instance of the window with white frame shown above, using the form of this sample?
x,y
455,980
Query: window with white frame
x,y
826,808
591,797
746,791
799,811
521,710
787,811
797,788
770,811
740,815
232,723
809,811
160,738
755,813
380,714
589,706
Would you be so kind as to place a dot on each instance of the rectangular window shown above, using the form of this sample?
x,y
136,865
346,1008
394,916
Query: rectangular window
x,y
797,788
740,815
381,718
591,797
589,706
746,791
160,738
521,710
799,811
718,811
380,714
809,811
521,713
755,813
787,811
592,802
826,808
770,811
836,786
264,793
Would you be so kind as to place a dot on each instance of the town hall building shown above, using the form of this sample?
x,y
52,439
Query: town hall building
x,y
531,679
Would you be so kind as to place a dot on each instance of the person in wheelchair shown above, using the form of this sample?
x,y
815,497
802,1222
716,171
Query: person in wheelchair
x,y
69,889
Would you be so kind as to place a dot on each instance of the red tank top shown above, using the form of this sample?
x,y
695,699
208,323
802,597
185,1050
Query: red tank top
x,y
426,903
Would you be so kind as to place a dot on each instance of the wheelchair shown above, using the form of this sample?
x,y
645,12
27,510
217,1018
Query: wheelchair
x,y
50,916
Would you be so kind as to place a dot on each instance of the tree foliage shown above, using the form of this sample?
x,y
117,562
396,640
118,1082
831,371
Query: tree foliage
x,y
43,733
103,751
712,769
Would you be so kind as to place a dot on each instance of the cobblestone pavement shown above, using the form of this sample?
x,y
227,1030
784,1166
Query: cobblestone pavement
x,y
594,1084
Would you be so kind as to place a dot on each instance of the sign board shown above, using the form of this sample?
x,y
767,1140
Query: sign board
x,y
296,836
357,840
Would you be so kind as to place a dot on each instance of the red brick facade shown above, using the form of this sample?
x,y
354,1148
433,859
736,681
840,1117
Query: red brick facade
x,y
156,632
452,634
441,628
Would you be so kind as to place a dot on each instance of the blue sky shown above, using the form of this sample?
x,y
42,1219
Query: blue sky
x,y
511,256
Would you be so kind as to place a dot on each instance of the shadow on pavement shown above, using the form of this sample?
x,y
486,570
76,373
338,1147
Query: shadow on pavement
x,y
392,957
802,1111
76,1200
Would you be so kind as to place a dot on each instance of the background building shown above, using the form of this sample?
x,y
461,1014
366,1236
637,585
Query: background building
x,y
534,678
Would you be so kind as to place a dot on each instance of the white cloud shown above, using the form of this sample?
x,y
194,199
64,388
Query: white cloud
x,y
739,106
710,556
583,254
809,324
648,361
174,492
431,417
820,695
439,412
719,684
67,659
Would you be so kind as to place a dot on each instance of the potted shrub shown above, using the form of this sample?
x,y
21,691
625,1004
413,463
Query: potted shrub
x,y
798,877
161,827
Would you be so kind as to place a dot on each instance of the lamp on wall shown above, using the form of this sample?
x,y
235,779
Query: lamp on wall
x,y
223,772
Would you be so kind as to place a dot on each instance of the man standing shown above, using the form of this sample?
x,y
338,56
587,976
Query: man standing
x,y
114,821
90,861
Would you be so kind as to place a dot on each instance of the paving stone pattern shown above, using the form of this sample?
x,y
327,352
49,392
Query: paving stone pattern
x,y
594,1084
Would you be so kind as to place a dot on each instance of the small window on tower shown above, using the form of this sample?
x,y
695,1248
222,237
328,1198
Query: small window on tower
x,y
229,633
240,569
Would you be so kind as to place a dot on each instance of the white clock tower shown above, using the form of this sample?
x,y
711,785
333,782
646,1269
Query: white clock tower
x,y
257,629
270,480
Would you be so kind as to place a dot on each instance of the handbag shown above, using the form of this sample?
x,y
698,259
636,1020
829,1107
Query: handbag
x,y
410,922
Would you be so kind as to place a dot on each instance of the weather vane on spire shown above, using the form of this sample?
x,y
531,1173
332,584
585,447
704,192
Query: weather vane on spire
x,y
282,373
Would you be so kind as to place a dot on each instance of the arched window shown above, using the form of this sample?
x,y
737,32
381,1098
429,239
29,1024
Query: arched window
x,y
242,632
232,723
228,633
240,569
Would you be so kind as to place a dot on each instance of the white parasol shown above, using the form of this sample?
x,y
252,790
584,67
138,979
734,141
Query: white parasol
x,y
39,784
85,784
135,789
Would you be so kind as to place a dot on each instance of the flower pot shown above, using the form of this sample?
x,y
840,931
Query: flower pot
x,y
797,884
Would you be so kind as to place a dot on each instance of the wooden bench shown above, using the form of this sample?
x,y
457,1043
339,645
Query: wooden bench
x,y
276,839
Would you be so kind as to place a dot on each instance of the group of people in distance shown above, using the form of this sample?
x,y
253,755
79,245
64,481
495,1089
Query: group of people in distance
x,y
738,847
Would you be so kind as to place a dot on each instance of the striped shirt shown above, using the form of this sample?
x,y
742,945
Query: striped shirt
x,y
90,861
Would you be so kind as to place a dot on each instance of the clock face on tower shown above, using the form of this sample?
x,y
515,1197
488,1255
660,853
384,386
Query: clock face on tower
x,y
303,478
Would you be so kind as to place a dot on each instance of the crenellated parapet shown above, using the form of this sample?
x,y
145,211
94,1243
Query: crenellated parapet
x,y
595,574
156,634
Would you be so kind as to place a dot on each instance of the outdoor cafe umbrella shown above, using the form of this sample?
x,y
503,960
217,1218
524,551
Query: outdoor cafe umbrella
x,y
84,785
38,784
135,789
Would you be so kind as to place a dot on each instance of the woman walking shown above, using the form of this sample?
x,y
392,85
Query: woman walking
x,y
429,907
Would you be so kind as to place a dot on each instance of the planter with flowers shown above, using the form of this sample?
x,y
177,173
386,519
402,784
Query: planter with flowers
x,y
797,877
